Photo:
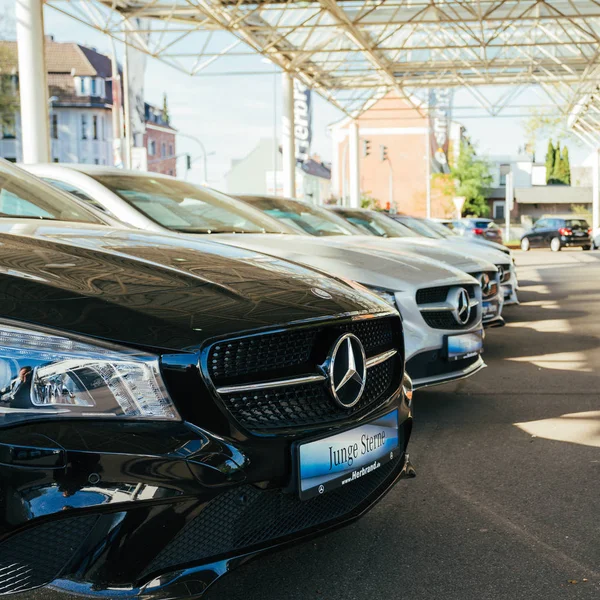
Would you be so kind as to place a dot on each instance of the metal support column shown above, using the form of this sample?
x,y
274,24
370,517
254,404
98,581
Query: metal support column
x,y
33,86
354,166
288,139
596,189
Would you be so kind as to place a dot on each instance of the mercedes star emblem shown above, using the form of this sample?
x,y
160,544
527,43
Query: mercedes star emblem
x,y
347,370
484,280
500,272
461,306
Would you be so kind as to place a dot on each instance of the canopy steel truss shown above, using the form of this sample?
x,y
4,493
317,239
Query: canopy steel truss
x,y
353,52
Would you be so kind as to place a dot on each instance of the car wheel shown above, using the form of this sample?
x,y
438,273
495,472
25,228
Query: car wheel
x,y
555,245
586,247
525,244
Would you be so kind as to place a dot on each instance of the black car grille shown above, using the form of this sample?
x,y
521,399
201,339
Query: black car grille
x,y
307,404
439,294
295,353
37,556
246,516
443,319
432,364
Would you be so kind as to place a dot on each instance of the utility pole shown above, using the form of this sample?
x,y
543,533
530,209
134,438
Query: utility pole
x,y
33,86
508,204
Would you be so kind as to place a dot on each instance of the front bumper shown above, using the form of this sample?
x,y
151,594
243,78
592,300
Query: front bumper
x,y
492,311
426,363
121,521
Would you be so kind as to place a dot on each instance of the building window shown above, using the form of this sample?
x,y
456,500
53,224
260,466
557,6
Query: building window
x,y
499,209
84,127
170,150
95,127
82,86
102,128
96,161
94,91
54,126
163,150
171,172
504,171
151,147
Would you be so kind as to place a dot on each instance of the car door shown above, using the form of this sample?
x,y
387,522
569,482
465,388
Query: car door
x,y
550,231
535,235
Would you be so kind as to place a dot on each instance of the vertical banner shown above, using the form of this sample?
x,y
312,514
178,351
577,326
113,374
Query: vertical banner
x,y
302,121
440,114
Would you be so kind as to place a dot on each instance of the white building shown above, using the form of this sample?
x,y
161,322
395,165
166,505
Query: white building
x,y
80,96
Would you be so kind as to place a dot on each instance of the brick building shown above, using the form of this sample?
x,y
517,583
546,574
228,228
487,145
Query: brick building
x,y
160,142
394,123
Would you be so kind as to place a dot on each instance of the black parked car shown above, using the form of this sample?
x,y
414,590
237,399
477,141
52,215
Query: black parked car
x,y
557,233
171,408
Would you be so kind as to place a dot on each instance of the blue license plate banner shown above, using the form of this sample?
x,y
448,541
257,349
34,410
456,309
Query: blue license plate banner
x,y
344,458
465,345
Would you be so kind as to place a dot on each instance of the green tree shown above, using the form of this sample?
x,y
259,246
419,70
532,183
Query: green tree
x,y
472,178
165,109
566,166
549,161
9,100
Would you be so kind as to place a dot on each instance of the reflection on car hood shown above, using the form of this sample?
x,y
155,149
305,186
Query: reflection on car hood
x,y
349,257
460,241
465,251
152,290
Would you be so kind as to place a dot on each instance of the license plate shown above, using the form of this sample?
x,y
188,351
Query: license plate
x,y
465,345
489,309
344,458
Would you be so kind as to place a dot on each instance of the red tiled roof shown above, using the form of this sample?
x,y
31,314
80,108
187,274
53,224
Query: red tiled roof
x,y
66,57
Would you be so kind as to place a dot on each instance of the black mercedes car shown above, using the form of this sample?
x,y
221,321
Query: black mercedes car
x,y
557,233
172,408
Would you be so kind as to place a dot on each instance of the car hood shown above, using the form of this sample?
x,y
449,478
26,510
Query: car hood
x,y
156,291
346,257
469,262
485,244
471,252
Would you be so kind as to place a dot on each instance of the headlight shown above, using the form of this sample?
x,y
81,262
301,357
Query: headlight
x,y
388,295
43,374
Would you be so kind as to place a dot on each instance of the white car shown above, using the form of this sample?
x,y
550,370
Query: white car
x,y
441,306
434,230
382,226
317,221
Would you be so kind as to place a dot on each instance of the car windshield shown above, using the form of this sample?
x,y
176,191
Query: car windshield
x,y
577,224
419,226
24,196
374,223
185,207
483,224
441,230
302,217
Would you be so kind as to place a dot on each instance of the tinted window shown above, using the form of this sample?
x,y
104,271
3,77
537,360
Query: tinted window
x,y
375,223
71,189
302,217
185,207
418,226
577,224
541,224
23,195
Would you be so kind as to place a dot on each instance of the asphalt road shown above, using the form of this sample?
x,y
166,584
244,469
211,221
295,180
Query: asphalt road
x,y
497,511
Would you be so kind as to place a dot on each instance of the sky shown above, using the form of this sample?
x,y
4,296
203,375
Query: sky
x,y
231,113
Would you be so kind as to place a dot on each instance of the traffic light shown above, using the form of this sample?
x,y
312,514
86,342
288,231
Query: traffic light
x,y
188,161
366,147
383,153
